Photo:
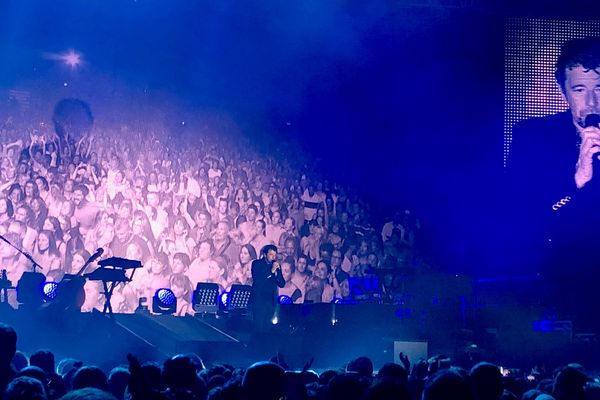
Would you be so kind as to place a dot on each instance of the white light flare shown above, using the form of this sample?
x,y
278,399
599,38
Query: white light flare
x,y
70,58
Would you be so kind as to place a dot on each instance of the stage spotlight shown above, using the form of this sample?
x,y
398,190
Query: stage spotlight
x,y
239,297
30,289
283,299
70,58
337,300
50,290
205,298
223,299
164,302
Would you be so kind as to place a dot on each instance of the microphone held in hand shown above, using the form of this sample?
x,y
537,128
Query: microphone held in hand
x,y
592,120
274,267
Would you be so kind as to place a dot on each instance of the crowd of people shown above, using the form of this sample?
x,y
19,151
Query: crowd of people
x,y
184,376
193,208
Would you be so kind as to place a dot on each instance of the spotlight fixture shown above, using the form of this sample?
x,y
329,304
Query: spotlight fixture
x,y
164,302
205,298
239,298
224,300
283,299
49,291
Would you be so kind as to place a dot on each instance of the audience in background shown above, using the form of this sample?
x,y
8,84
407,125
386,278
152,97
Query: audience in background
x,y
203,206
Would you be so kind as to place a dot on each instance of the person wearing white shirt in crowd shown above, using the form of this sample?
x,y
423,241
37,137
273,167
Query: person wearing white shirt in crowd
x,y
182,288
322,272
290,289
301,273
311,202
84,212
274,230
214,170
180,236
310,244
224,245
43,188
46,254
242,272
204,266
289,231
296,211
159,219
388,227
55,200
260,240
248,227
27,233
11,259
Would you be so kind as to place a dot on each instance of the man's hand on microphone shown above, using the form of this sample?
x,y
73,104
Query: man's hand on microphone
x,y
590,146
275,267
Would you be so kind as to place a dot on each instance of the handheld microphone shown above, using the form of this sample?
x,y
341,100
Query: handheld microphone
x,y
277,266
592,120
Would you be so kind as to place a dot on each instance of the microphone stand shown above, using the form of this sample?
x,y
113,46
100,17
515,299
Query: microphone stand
x,y
34,264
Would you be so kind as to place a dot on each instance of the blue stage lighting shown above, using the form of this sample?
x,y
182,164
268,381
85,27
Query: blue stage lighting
x,y
239,298
224,299
49,291
205,298
337,300
164,302
283,299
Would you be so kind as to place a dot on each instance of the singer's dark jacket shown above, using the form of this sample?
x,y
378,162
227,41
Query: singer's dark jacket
x,y
554,226
264,284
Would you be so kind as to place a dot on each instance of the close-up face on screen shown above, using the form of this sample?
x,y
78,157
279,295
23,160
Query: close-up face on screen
x,y
532,47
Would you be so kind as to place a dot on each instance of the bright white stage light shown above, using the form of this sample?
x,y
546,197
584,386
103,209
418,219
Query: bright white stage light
x,y
71,58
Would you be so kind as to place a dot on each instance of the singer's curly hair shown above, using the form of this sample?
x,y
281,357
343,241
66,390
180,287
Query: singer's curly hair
x,y
574,52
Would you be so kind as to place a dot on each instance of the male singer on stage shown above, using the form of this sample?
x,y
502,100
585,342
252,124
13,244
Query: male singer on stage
x,y
266,277
555,198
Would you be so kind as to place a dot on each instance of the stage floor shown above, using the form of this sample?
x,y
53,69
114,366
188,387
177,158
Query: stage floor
x,y
303,332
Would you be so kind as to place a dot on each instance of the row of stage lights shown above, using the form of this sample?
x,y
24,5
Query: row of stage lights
x,y
206,299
